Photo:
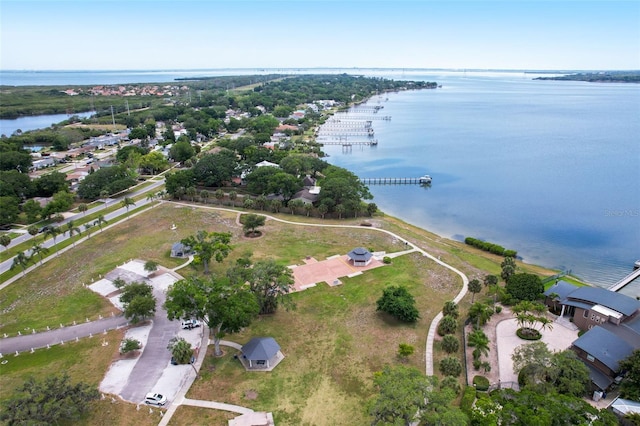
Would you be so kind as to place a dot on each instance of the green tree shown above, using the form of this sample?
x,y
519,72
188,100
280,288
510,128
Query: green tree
x,y
219,195
225,307
271,284
127,202
82,208
398,302
524,286
53,231
151,266
630,386
180,179
100,221
87,228
214,170
479,342
108,179
72,229
402,393
32,209
480,313
21,260
50,401
440,411
233,196
33,230
208,245
153,162
250,222
5,240
9,210
39,250
474,287
508,266
138,301
181,151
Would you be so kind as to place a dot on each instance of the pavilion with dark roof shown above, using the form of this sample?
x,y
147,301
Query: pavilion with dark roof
x,y
360,256
261,353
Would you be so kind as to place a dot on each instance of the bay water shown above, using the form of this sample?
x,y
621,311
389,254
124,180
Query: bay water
x,y
547,168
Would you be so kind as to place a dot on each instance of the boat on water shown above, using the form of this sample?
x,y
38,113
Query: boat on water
x,y
425,179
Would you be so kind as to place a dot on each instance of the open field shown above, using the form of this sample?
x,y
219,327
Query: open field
x,y
333,342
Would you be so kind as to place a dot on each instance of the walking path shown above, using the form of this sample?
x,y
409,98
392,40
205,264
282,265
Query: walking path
x,y
434,322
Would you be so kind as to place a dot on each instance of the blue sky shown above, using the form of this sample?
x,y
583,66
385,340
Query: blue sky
x,y
162,34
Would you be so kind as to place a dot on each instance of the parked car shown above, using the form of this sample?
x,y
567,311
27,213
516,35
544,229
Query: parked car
x,y
174,362
188,324
155,399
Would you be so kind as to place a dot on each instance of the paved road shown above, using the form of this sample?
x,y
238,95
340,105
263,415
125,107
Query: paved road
x,y
155,357
6,265
41,340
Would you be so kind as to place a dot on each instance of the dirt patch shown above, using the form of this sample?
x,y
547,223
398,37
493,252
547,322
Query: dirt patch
x,y
251,394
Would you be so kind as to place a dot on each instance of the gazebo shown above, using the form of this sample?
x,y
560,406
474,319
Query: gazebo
x,y
180,250
360,256
262,353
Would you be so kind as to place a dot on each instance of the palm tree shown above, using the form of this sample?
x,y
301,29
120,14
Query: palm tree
x,y
38,249
204,195
480,313
104,194
72,230
323,209
127,202
99,221
474,287
478,340
307,208
87,227
53,231
219,195
232,197
340,209
21,260
276,205
151,196
191,193
82,208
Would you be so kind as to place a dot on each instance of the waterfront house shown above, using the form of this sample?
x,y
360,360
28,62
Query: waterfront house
x,y
612,324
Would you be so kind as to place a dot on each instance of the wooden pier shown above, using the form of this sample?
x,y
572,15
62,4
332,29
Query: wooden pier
x,y
358,117
349,143
423,180
626,280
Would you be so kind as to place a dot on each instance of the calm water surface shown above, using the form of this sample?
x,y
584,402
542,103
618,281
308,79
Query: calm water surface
x,y
549,169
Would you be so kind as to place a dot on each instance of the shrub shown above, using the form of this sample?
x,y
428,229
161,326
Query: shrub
x,y
397,301
528,334
481,383
468,398
129,345
498,309
450,366
450,344
447,325
386,260
452,383
524,286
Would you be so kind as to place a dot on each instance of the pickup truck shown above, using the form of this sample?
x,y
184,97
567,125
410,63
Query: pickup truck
x,y
188,324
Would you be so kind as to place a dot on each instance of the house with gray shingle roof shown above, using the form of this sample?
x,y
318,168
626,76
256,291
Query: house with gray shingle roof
x,y
612,324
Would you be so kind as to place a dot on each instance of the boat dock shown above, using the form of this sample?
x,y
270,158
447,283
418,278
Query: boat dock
x,y
422,180
348,143
626,280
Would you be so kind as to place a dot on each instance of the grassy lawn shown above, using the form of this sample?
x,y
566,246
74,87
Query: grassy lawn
x,y
86,360
333,341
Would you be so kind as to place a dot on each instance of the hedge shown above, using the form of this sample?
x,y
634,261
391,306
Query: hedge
x,y
490,247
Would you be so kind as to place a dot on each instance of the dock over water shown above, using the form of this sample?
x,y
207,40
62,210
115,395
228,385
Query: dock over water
x,y
626,280
424,180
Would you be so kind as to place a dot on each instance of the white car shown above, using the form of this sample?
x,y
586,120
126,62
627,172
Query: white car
x,y
155,399
188,324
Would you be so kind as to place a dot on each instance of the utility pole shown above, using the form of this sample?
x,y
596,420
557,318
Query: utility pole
x,y
127,102
113,119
